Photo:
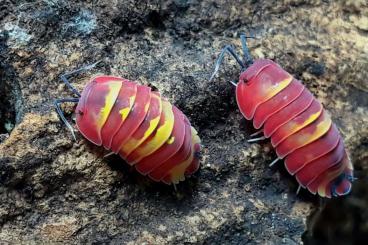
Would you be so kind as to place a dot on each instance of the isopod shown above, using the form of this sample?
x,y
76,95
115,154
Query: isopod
x,y
300,129
131,120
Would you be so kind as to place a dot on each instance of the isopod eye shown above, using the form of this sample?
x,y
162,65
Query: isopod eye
x,y
246,82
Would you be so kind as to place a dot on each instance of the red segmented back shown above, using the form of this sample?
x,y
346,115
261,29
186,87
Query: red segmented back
x,y
146,128
119,113
321,184
180,156
298,158
278,102
300,129
157,138
287,113
304,136
324,178
89,117
138,124
268,82
147,164
134,119
191,165
310,171
299,122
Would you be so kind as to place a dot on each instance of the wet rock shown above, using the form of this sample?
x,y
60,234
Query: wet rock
x,y
57,190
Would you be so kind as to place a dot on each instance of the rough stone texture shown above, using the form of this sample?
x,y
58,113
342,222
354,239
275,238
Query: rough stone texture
x,y
56,190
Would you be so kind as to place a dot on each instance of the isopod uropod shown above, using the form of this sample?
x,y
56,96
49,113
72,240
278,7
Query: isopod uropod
x,y
135,122
300,129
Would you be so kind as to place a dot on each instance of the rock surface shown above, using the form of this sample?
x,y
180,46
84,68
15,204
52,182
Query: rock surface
x,y
56,190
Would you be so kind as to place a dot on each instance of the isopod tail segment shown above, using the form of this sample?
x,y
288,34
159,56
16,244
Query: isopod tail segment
x,y
58,102
300,129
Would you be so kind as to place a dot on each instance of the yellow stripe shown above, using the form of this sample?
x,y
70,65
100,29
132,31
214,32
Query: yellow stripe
x,y
321,129
132,144
270,91
114,88
177,173
293,126
162,133
125,111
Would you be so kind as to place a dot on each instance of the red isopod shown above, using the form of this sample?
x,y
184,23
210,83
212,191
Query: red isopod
x,y
138,124
300,129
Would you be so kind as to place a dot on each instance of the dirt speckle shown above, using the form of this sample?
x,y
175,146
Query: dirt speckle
x,y
60,230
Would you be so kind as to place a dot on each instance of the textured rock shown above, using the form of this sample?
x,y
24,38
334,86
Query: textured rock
x,y
56,190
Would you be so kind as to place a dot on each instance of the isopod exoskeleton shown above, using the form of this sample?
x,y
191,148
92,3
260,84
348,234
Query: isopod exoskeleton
x,y
135,122
300,129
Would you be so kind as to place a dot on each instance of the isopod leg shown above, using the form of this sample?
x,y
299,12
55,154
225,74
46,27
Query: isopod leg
x,y
233,82
68,84
57,103
298,190
230,50
109,154
274,162
257,133
256,139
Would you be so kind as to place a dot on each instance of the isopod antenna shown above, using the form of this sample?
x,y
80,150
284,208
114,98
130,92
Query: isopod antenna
x,y
244,63
58,102
248,60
